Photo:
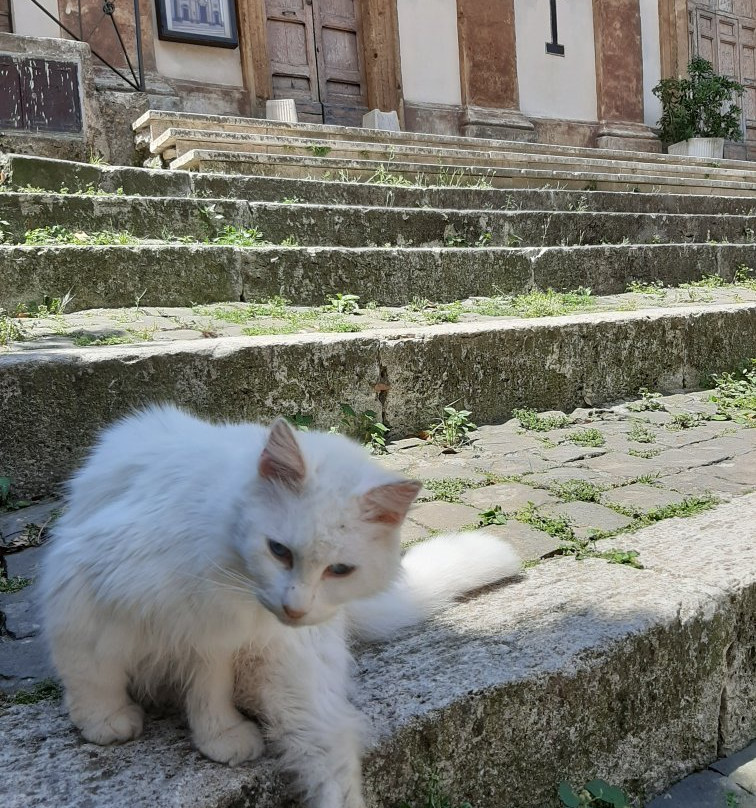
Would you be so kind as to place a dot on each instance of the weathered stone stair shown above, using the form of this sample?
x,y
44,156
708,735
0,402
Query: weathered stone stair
x,y
254,146
574,669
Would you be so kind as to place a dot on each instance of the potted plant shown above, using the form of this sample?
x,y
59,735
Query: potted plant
x,y
699,111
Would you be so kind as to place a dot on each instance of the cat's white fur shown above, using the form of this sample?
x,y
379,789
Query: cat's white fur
x,y
161,570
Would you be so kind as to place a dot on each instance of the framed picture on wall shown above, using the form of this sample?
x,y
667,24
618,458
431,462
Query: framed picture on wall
x,y
198,22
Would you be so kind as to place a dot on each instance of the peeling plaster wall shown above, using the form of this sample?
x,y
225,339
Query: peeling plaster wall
x,y
556,86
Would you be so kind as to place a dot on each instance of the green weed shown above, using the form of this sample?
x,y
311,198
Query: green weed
x,y
343,303
640,433
10,330
449,489
238,237
531,420
648,401
596,794
492,516
586,437
46,690
577,490
655,288
452,428
364,427
735,395
10,585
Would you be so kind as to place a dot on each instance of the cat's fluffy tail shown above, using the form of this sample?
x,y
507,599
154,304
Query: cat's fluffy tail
x,y
433,574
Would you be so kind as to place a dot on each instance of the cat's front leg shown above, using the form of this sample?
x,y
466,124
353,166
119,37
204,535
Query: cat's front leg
x,y
219,730
318,733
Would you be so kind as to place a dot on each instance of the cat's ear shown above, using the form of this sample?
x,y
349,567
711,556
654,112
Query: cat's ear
x,y
389,503
281,459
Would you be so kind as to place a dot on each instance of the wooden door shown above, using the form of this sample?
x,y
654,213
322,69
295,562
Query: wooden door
x,y
728,43
291,51
341,74
315,53
6,26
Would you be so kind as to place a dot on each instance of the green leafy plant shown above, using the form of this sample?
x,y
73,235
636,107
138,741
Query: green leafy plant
x,y
586,437
701,104
578,490
735,395
452,428
596,794
640,433
300,421
10,585
648,401
239,237
364,427
7,501
10,330
531,420
343,303
492,516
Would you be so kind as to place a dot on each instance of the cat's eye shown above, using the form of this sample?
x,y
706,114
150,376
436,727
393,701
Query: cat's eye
x,y
281,552
339,570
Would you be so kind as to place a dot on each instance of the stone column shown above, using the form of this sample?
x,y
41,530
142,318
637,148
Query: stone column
x,y
488,71
619,77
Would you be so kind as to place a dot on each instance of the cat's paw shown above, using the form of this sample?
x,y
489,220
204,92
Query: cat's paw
x,y
241,742
117,727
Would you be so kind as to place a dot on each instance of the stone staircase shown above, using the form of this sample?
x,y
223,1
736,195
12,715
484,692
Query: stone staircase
x,y
256,146
231,294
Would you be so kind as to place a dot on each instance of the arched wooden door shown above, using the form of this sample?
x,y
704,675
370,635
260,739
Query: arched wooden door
x,y
316,57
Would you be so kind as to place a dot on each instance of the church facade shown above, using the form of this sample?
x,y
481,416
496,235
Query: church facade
x,y
577,72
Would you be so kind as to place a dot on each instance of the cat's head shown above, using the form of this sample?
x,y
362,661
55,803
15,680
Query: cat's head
x,y
322,524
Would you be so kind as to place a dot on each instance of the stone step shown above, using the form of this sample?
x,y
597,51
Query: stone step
x,y
167,218
283,165
575,670
182,274
151,126
58,399
174,144
22,171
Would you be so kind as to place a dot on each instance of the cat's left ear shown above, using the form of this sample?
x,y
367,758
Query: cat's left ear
x,y
281,459
389,503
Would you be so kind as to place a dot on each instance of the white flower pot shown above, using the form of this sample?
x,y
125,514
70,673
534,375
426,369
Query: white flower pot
x,y
698,147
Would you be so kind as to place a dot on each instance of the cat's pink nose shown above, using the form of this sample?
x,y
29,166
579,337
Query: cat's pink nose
x,y
294,614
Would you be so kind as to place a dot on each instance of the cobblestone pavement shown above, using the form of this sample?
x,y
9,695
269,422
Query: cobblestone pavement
x,y
549,489
96,327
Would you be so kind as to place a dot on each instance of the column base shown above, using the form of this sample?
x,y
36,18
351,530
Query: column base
x,y
497,124
627,136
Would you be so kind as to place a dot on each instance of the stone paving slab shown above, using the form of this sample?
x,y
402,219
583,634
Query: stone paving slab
x,y
504,694
97,327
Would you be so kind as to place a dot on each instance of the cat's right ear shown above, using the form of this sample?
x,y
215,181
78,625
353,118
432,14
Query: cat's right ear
x,y
281,460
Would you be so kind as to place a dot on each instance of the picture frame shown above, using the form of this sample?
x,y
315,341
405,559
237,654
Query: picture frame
x,y
198,22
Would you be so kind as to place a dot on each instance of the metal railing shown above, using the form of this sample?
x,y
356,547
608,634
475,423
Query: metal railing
x,y
136,81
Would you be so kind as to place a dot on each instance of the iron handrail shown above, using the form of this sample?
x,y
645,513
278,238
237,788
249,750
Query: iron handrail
x,y
136,82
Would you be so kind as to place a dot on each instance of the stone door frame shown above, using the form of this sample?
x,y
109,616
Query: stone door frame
x,y
380,43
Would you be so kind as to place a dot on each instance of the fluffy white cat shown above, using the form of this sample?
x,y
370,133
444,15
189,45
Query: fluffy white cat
x,y
235,561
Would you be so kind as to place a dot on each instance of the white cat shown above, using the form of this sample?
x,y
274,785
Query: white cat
x,y
235,561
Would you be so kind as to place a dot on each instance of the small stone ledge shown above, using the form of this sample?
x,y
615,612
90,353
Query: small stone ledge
x,y
57,401
575,670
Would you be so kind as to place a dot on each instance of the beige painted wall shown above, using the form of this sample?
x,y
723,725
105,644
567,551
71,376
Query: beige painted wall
x,y
28,20
556,86
197,62
651,60
429,51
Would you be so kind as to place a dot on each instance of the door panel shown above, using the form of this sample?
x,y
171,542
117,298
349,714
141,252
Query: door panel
x,y
315,51
291,50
